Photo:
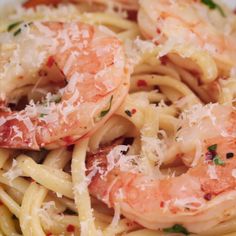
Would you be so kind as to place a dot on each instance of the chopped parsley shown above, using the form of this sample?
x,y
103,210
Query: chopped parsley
x,y
17,32
104,112
212,147
42,115
176,229
179,128
212,5
56,99
128,113
213,156
218,161
13,25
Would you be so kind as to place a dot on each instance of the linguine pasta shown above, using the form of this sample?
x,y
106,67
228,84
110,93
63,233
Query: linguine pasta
x,y
47,192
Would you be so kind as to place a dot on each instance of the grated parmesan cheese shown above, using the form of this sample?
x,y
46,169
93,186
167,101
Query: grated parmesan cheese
x,y
234,173
211,171
84,225
14,172
191,203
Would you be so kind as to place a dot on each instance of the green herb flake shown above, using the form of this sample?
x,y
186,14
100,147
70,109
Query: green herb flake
x,y
13,25
17,32
179,128
56,99
104,112
128,113
212,5
212,147
42,115
176,229
218,161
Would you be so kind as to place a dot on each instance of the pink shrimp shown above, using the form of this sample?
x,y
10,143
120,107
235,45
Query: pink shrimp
x,y
125,4
91,62
199,199
188,22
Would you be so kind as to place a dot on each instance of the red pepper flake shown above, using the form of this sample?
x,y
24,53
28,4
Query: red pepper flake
x,y
49,234
68,140
70,228
141,83
50,62
133,111
162,204
163,60
132,15
1,203
207,196
209,156
158,30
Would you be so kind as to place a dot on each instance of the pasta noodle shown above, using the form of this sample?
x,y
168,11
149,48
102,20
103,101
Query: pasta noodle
x,y
47,192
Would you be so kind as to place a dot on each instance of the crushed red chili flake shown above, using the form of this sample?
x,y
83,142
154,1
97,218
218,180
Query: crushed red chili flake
x,y
163,60
49,234
141,83
70,228
50,61
162,204
133,111
68,139
207,196
132,15
158,30
1,203
209,156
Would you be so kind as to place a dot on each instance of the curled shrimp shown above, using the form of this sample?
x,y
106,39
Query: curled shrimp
x,y
88,61
191,23
200,198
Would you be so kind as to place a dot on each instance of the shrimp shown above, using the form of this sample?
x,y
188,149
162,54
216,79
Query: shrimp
x,y
200,198
34,3
188,22
89,61
124,4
